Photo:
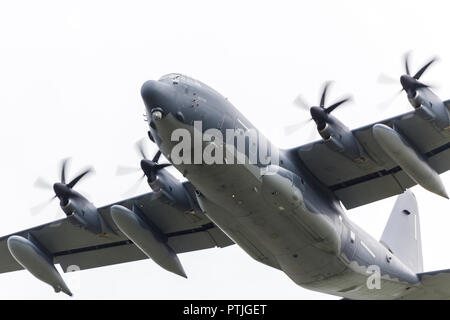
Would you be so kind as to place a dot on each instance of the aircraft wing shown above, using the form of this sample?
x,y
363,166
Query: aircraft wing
x,y
355,182
74,247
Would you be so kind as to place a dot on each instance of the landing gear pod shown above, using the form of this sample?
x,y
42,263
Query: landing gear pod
x,y
147,238
29,256
408,159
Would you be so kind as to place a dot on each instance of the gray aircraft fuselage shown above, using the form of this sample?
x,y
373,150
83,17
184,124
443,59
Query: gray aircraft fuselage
x,y
281,216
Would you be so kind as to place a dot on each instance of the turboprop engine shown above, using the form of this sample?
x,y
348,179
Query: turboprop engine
x,y
334,133
77,208
425,102
32,255
160,180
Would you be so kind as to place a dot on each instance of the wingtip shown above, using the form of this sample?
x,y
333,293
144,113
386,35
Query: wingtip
x,y
70,294
181,273
443,194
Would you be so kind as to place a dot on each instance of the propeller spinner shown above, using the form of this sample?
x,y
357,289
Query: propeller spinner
x,y
150,167
320,114
411,83
63,190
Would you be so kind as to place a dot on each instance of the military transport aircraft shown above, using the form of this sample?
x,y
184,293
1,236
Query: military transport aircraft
x,y
284,209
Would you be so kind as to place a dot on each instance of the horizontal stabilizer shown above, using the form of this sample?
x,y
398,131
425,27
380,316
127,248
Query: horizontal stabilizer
x,y
435,285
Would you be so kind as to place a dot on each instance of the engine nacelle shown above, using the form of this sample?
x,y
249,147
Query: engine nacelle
x,y
340,139
173,190
430,108
82,212
326,132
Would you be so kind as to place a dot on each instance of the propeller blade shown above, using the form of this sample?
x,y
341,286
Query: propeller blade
x,y
407,64
324,95
63,170
296,126
423,69
42,184
38,208
75,180
156,157
135,186
124,170
312,134
386,103
301,103
161,166
337,104
140,149
385,79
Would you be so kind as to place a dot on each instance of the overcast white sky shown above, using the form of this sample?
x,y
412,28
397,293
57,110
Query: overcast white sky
x,y
70,78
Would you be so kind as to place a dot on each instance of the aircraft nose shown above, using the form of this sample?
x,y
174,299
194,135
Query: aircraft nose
x,y
156,94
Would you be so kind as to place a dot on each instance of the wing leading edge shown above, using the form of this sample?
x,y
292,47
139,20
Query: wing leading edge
x,y
356,182
75,248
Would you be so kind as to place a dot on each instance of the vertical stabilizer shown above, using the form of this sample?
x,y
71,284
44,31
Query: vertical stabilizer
x,y
402,232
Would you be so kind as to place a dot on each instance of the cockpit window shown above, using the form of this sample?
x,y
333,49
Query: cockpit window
x,y
175,77
169,76
192,82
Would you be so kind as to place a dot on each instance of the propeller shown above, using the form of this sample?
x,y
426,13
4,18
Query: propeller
x,y
320,114
150,167
411,83
61,189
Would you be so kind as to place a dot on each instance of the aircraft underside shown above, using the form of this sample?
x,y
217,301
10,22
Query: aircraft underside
x,y
257,211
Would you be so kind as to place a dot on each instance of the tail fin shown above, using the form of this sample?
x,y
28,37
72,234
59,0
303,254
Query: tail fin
x,y
402,232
